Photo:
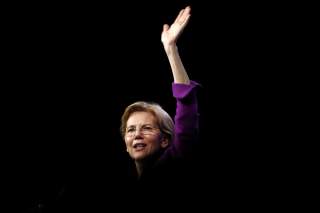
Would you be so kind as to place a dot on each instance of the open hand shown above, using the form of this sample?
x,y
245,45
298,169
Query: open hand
x,y
170,34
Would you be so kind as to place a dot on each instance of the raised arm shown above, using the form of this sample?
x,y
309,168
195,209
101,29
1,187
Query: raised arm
x,y
186,120
169,37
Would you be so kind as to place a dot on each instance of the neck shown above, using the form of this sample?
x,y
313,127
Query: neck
x,y
140,168
145,164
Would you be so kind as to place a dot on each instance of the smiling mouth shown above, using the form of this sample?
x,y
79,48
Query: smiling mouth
x,y
139,146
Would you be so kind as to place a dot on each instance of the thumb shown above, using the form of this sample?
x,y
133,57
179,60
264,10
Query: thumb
x,y
165,27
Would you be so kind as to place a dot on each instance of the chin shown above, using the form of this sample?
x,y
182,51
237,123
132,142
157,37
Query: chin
x,y
139,157
143,155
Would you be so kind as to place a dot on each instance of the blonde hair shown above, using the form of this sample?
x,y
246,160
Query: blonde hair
x,y
163,119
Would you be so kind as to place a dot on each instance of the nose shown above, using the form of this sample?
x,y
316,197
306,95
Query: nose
x,y
137,132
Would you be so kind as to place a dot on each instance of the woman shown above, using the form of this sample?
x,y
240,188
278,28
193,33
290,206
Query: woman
x,y
152,139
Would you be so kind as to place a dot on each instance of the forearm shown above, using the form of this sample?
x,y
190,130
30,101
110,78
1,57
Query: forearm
x,y
178,71
186,117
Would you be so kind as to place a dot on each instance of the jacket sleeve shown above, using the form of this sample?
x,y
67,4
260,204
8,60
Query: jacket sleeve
x,y
186,118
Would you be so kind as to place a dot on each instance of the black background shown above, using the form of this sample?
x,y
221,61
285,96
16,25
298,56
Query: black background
x,y
72,69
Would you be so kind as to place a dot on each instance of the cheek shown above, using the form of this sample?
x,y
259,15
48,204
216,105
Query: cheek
x,y
156,139
127,141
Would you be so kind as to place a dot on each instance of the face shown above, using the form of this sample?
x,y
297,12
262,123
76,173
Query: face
x,y
143,138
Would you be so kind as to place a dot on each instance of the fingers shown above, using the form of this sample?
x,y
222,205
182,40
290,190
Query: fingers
x,y
185,21
183,15
179,15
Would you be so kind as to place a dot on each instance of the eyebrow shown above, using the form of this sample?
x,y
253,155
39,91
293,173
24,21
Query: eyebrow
x,y
141,125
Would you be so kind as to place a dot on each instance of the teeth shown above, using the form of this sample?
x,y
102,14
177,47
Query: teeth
x,y
139,145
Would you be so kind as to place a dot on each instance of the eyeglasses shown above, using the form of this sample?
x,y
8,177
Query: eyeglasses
x,y
144,129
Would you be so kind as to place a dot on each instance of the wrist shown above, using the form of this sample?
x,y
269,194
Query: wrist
x,y
171,49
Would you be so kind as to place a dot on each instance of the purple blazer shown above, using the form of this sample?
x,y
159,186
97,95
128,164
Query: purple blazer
x,y
186,121
171,172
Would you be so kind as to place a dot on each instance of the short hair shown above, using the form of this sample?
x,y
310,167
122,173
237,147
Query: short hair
x,y
163,119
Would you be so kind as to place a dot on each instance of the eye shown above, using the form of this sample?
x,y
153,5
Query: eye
x,y
148,128
131,129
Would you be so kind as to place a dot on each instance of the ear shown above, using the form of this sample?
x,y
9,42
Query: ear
x,y
164,142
